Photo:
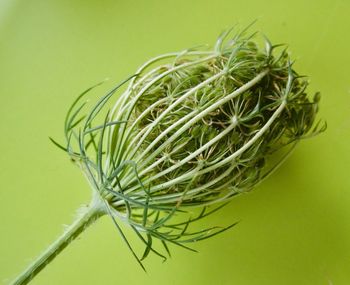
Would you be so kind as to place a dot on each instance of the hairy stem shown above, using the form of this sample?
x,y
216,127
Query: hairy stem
x,y
90,215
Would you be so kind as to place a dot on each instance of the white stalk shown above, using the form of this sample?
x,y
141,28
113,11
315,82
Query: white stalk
x,y
192,155
166,111
190,194
132,83
252,141
228,159
200,116
131,105
191,122
139,134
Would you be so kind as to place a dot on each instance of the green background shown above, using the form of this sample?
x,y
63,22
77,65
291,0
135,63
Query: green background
x,y
295,228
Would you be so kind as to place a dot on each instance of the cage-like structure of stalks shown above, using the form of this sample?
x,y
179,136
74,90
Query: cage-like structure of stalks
x,y
191,129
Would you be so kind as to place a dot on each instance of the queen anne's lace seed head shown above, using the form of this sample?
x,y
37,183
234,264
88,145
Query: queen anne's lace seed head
x,y
192,128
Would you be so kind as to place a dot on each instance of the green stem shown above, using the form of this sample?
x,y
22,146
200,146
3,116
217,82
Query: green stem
x,y
91,214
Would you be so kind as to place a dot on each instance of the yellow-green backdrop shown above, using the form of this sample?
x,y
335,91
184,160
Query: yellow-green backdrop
x,y
295,228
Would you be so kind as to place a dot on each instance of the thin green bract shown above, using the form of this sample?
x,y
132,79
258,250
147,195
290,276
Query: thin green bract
x,y
189,130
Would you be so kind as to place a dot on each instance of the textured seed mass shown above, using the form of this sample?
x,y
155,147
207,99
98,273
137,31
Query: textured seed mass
x,y
250,111
193,128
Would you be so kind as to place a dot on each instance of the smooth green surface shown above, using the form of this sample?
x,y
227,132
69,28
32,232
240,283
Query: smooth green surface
x,y
295,228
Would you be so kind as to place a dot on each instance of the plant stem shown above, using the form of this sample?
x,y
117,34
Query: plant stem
x,y
91,214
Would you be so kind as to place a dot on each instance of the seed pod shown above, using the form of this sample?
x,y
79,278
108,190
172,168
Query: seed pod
x,y
192,129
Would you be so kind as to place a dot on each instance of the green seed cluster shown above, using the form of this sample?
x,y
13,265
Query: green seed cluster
x,y
192,128
184,139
